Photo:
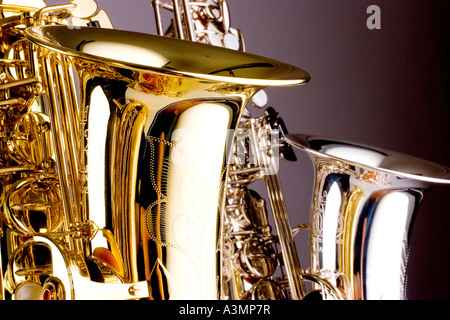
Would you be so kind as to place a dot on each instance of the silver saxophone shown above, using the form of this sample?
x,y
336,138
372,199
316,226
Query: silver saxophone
x,y
126,168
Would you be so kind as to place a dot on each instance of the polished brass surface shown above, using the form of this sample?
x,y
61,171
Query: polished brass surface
x,y
128,203
257,140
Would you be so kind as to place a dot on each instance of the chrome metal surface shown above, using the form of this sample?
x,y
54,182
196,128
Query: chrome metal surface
x,y
136,185
363,208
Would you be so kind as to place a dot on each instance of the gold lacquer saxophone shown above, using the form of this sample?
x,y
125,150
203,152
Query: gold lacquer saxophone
x,y
359,232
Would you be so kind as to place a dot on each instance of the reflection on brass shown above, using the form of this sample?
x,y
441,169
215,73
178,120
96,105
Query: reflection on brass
x,y
127,162
115,152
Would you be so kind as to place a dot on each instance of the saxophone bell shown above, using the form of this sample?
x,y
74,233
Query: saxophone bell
x,y
127,162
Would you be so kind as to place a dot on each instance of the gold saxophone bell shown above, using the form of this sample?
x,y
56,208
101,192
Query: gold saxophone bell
x,y
363,207
141,126
128,160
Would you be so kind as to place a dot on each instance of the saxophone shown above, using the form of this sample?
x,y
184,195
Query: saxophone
x,y
126,168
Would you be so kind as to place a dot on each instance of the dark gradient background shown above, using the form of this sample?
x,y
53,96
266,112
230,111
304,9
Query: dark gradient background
x,y
386,88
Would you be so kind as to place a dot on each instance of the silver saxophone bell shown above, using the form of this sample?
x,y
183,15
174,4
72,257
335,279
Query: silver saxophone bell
x,y
128,160
364,203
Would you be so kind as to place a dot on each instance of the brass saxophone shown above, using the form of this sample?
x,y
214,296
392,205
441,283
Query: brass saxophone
x,y
126,166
